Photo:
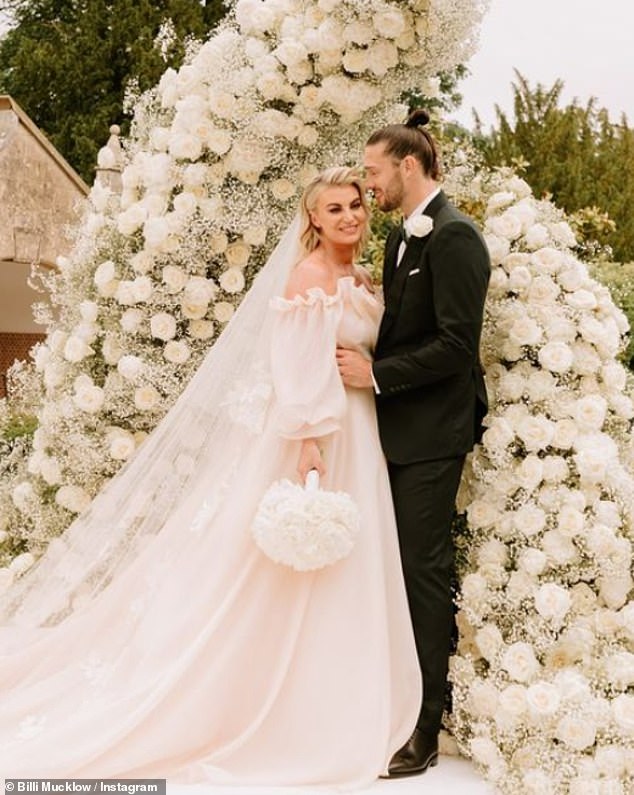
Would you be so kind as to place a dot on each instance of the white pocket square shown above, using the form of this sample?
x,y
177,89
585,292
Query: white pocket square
x,y
412,273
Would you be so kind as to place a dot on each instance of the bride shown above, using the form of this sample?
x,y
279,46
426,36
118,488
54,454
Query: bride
x,y
154,639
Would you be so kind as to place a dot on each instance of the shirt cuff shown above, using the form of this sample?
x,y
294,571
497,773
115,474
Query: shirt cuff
x,y
374,383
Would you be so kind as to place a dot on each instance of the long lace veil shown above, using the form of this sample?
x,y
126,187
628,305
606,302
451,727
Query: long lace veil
x,y
206,433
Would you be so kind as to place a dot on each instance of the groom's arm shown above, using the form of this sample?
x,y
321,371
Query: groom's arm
x,y
460,271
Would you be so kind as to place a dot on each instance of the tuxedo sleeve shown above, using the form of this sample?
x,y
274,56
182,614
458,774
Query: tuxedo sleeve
x,y
460,272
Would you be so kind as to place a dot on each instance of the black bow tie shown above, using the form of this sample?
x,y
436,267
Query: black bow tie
x,y
402,232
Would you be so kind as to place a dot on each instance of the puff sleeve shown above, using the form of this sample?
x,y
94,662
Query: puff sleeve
x,y
309,396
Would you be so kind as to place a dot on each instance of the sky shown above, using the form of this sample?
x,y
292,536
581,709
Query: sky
x,y
589,44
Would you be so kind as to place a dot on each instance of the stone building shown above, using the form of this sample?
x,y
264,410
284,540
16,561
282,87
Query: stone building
x,y
39,198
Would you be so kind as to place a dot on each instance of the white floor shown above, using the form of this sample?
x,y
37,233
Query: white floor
x,y
452,776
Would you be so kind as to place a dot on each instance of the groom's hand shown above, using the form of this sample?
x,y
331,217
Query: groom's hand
x,y
355,369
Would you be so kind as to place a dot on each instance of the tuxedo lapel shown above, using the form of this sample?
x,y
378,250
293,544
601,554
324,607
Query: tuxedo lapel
x,y
394,284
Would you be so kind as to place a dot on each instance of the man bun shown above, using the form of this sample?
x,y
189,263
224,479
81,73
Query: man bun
x,y
417,118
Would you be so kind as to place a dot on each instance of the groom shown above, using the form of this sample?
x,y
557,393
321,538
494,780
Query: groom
x,y
430,390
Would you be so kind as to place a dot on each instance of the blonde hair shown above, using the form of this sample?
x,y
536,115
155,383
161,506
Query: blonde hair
x,y
337,175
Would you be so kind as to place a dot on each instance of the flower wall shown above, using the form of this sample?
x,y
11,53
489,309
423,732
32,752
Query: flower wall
x,y
544,674
215,165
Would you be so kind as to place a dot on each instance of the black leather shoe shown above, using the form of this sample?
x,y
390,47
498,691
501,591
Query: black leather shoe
x,y
418,753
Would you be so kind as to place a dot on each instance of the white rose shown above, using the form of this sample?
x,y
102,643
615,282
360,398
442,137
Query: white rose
x,y
525,331
515,260
520,279
535,432
156,232
474,588
570,521
232,280
174,278
498,247
493,552
565,434
142,262
556,357
590,412
537,237
530,472
575,733
389,22
201,329
419,225
563,234
543,699
586,360
130,367
507,225
614,590
623,713
75,349
619,669
132,219
582,300
513,700
483,699
122,445
89,398
543,290
489,641
23,495
255,235
176,352
89,311
482,514
185,146
146,398
485,751
519,662
552,602
614,375
356,60
51,471
555,469
559,329
73,498
529,520
223,311
499,200
131,320
282,189
498,436
237,254
105,273
163,326
548,259
558,547
532,561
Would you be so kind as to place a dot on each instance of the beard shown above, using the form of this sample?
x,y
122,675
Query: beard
x,y
391,198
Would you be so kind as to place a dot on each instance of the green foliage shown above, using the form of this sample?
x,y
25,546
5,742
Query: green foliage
x,y
574,154
68,63
18,426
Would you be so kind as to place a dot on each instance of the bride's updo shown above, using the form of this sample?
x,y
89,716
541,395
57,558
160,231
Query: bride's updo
x,y
335,176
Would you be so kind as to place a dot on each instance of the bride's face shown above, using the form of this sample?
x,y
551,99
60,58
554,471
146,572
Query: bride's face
x,y
339,215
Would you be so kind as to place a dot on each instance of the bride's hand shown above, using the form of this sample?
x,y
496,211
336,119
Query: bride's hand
x,y
310,458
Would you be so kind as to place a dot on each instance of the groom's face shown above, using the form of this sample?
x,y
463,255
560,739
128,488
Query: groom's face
x,y
383,177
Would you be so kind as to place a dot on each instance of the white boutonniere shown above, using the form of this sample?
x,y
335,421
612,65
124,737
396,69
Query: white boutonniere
x,y
419,226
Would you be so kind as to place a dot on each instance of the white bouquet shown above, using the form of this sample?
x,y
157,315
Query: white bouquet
x,y
306,528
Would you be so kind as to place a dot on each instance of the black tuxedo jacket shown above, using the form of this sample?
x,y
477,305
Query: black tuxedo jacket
x,y
432,392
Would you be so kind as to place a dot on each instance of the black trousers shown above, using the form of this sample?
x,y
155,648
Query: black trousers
x,y
424,496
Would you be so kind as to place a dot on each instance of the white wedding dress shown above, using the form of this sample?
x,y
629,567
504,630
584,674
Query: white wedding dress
x,y
204,661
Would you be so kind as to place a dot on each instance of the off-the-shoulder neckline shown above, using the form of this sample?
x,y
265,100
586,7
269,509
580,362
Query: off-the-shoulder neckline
x,y
318,293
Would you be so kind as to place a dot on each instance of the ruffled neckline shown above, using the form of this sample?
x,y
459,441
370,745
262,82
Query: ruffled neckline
x,y
346,287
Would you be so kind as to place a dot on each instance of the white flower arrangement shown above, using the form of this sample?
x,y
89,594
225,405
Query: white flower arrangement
x,y
544,660
306,528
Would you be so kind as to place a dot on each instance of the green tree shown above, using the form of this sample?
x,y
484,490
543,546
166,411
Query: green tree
x,y
68,62
575,154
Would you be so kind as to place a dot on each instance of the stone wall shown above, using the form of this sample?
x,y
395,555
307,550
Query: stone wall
x,y
12,347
